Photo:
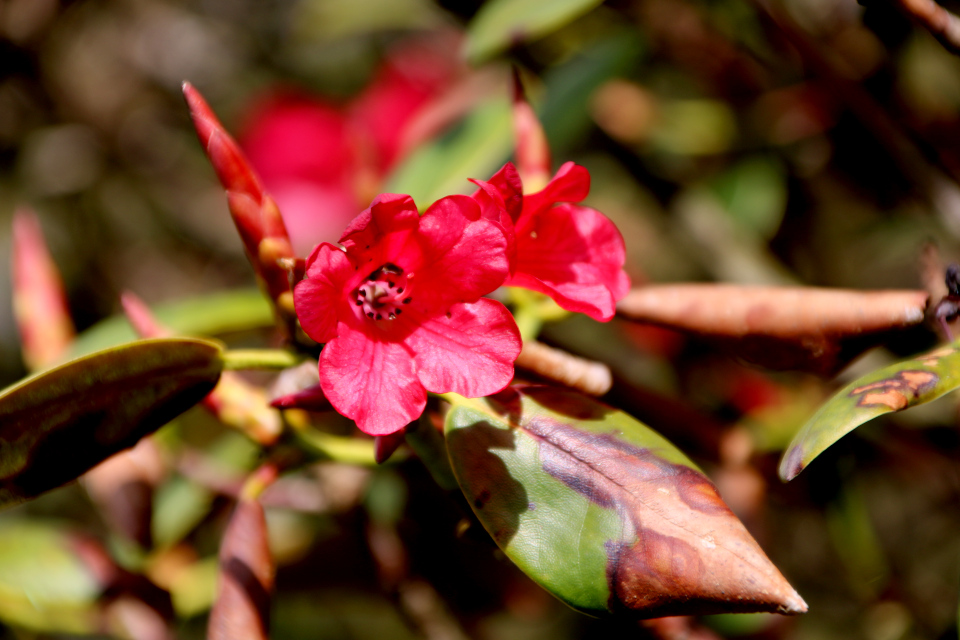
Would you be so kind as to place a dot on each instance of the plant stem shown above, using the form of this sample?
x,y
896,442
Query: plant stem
x,y
269,359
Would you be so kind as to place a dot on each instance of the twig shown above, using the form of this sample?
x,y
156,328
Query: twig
x,y
805,328
590,377
785,312
943,25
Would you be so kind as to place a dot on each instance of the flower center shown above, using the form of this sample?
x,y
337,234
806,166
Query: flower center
x,y
384,293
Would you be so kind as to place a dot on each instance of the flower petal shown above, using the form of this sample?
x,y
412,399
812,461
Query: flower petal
x,y
317,296
371,381
464,256
388,213
491,202
570,184
593,300
469,351
507,181
575,255
492,208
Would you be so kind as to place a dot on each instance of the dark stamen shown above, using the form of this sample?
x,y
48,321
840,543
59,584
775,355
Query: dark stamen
x,y
392,285
370,314
359,303
399,311
407,300
379,317
363,293
400,290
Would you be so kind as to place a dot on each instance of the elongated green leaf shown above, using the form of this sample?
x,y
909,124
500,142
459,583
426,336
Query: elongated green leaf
x,y
502,23
210,315
476,148
893,388
59,423
603,512
565,111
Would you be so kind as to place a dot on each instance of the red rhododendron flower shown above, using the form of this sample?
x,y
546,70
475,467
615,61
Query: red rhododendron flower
x,y
400,311
572,253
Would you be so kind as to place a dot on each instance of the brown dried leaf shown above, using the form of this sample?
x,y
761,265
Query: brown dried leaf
x,y
241,611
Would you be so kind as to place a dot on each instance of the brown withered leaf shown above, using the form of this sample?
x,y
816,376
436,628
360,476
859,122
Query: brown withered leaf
x,y
122,488
241,611
797,328
603,512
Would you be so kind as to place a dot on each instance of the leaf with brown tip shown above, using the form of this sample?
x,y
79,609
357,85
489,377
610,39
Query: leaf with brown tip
x,y
241,611
803,328
56,425
896,387
603,512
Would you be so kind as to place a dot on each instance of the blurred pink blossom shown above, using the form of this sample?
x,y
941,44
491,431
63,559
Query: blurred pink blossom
x,y
323,162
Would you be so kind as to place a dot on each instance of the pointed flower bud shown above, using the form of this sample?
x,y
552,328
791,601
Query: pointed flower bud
x,y
310,399
533,152
256,215
385,446
39,303
234,401
141,318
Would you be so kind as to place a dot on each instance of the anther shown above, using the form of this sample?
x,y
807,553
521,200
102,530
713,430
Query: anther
x,y
379,296
407,300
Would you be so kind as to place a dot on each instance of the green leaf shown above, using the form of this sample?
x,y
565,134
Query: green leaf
x,y
179,505
893,388
340,19
565,107
695,127
44,584
476,148
499,24
754,193
603,512
56,425
210,315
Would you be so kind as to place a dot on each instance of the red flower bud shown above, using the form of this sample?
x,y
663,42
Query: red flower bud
x,y
256,215
39,303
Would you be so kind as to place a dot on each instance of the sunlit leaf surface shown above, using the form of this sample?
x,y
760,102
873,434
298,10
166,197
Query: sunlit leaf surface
x,y
502,23
603,512
211,315
476,148
60,423
893,388
44,583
